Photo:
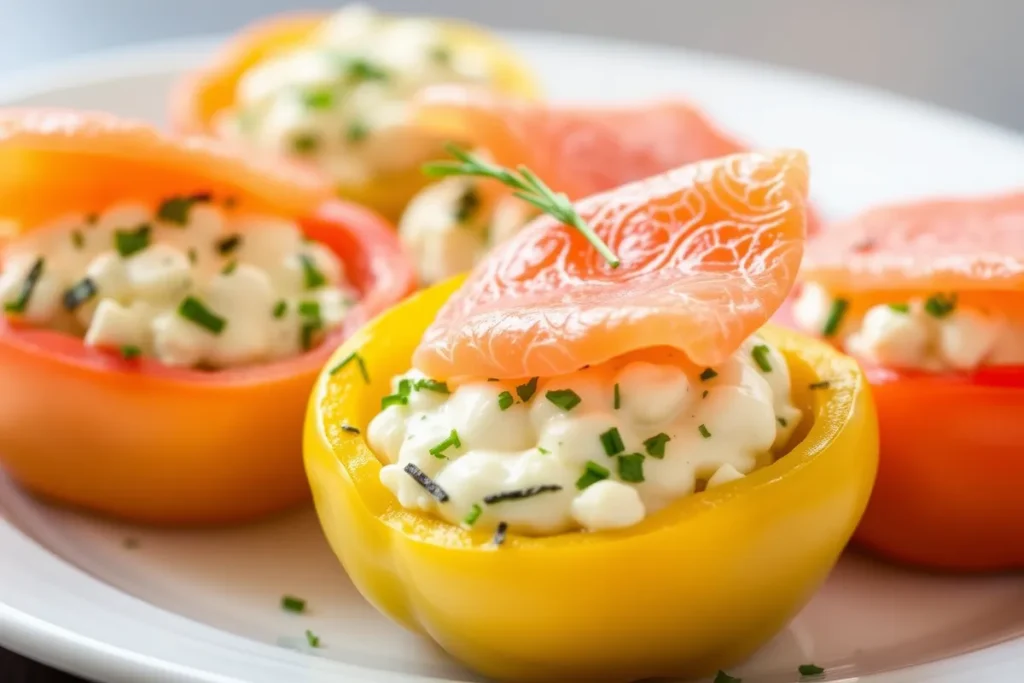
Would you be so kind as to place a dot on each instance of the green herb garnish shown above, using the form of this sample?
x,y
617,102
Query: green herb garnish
x,y
900,308
505,400
835,317
612,442
176,209
130,351
280,308
566,399
310,309
431,385
394,400
128,242
360,69
84,290
312,639
307,333
655,446
473,515
782,421
451,442
77,239
939,305
709,373
631,468
810,670
704,431
290,603
527,186
354,356
467,204
526,391
760,354
305,143
357,131
318,99
193,310
228,244
592,473
616,398
312,275
229,268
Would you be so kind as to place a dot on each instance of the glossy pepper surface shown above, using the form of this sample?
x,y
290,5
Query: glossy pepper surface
x,y
201,95
134,438
696,586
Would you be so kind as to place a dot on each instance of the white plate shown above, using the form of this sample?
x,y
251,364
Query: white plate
x,y
203,606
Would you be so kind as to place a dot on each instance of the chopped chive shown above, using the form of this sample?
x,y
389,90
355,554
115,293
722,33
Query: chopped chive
x,y
307,333
473,515
313,277
128,242
426,482
939,305
655,446
350,429
824,384
290,603
500,533
810,670
432,385
305,143
616,398
312,639
451,442
228,244
505,400
705,394
229,268
354,356
130,351
84,290
441,54
193,310
592,473
835,317
900,308
704,431
722,677
631,468
467,204
782,421
357,131
543,451
318,99
77,239
176,209
27,287
566,399
360,69
520,494
760,354
709,373
309,309
526,391
193,255
280,308
612,442
393,400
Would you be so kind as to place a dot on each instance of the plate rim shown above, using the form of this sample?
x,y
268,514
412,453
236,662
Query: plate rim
x,y
58,646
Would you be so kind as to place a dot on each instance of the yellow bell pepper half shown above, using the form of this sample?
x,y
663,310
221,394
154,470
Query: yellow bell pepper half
x,y
695,587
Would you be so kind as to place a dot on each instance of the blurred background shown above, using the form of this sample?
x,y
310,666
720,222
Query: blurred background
x,y
965,55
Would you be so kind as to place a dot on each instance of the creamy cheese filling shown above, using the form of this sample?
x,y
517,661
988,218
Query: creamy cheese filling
x,y
450,225
932,333
600,448
191,284
341,99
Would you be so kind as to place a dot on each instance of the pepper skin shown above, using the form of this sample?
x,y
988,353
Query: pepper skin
x,y
133,438
201,95
697,586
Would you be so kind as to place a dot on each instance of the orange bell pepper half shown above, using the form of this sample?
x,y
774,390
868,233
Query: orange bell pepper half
x,y
134,438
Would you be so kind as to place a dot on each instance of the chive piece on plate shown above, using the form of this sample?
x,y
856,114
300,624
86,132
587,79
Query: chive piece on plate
x,y
280,308
358,359
631,468
592,473
940,305
900,308
312,638
810,670
467,204
360,69
84,290
835,317
432,385
704,431
616,397
612,442
426,482
305,143
228,244
566,399
193,310
357,131
473,515
318,99
130,352
290,603
308,332
452,441
229,268
526,391
505,400
313,277
760,354
655,446
128,242
77,239
520,494
782,421
394,400
176,209
709,373
309,309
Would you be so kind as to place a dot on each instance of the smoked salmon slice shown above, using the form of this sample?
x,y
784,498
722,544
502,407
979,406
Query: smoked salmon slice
x,y
708,252
962,244
105,159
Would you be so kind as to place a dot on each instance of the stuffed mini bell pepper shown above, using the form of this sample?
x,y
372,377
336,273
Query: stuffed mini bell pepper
x,y
929,297
333,91
167,305
598,468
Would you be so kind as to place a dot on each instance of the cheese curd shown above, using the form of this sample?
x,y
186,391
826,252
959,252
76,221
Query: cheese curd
x,y
190,284
450,225
933,333
600,448
341,99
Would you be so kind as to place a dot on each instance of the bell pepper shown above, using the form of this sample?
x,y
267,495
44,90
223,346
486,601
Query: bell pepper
x,y
201,95
134,438
697,586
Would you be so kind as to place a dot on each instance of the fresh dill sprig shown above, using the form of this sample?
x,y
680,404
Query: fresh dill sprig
x,y
527,186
